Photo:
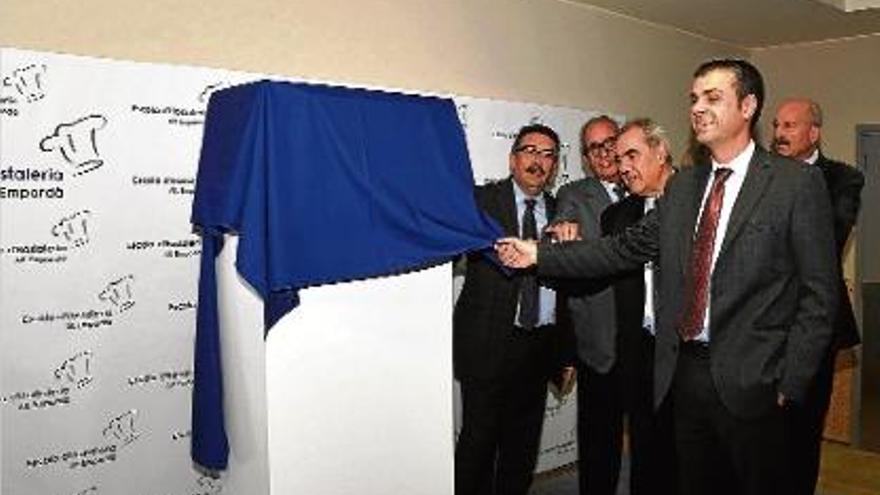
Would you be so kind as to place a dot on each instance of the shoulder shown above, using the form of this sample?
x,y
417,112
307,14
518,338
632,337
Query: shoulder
x,y
629,207
838,171
494,187
786,168
685,178
578,187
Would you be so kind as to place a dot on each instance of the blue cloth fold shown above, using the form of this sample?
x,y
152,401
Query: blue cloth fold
x,y
321,185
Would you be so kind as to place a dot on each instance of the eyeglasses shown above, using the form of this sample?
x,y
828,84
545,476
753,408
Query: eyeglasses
x,y
534,152
606,146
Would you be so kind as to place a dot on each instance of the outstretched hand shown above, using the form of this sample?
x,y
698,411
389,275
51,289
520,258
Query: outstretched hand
x,y
517,253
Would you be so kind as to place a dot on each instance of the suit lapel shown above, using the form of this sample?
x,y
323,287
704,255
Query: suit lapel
x,y
756,180
598,197
692,211
507,208
550,206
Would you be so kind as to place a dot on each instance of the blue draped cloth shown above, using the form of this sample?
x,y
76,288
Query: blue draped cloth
x,y
321,185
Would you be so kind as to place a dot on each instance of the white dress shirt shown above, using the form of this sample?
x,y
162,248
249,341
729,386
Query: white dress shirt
x,y
739,165
648,321
546,297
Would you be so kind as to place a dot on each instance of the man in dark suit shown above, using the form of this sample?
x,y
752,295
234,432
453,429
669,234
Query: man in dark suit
x,y
797,133
507,339
747,273
591,307
645,161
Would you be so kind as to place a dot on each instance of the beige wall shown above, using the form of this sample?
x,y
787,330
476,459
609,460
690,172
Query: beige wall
x,y
545,51
843,76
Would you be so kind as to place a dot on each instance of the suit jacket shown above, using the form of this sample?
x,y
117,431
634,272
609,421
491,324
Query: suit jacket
x,y
774,285
589,301
486,309
629,286
845,185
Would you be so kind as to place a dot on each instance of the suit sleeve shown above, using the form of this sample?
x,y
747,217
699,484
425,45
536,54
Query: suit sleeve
x,y
604,256
812,244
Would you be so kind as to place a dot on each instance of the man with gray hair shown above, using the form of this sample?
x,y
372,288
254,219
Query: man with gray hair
x,y
590,303
744,322
645,163
797,133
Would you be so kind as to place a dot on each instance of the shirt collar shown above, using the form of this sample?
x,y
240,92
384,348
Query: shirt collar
x,y
740,162
813,158
521,196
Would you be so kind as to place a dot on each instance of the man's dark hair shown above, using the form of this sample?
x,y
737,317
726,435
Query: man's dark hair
x,y
535,129
748,81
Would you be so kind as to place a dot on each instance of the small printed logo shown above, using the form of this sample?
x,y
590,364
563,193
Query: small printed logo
x,y
563,176
76,370
210,484
119,293
92,490
28,81
122,429
73,229
536,119
77,143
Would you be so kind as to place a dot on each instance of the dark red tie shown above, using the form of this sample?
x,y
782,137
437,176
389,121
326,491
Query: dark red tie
x,y
697,285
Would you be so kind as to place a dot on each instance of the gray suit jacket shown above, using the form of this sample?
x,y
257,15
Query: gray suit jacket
x,y
590,302
773,294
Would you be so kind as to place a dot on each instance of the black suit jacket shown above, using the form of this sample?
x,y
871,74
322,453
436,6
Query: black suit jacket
x,y
629,286
845,185
485,311
774,285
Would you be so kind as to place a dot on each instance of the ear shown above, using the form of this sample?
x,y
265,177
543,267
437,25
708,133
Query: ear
x,y
748,106
815,134
511,160
661,152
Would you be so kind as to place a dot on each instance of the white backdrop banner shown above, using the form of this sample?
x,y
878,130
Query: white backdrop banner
x,y
98,267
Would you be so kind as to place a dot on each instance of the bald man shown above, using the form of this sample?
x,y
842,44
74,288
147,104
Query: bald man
x,y
797,133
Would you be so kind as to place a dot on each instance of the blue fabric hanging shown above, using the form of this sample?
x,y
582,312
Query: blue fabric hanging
x,y
321,184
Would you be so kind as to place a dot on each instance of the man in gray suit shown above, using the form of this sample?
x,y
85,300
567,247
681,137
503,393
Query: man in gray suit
x,y
748,277
590,303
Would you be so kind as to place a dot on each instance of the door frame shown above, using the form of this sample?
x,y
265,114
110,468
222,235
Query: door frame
x,y
872,173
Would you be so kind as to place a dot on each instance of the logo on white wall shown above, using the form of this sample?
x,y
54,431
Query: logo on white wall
x,y
210,484
76,370
77,143
563,176
28,81
73,229
119,293
122,429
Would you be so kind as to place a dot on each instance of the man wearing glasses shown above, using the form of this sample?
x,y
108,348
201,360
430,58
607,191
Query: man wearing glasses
x,y
507,343
747,268
591,306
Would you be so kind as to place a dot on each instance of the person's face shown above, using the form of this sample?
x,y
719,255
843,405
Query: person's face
x,y
641,166
533,162
794,134
598,140
717,115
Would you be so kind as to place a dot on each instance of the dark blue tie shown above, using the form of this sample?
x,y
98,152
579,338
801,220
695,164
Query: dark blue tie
x,y
528,289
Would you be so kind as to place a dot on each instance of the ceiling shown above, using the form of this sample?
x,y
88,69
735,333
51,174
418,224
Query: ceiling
x,y
751,23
